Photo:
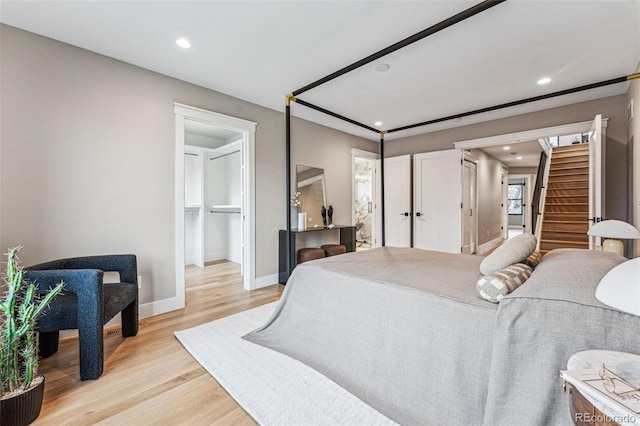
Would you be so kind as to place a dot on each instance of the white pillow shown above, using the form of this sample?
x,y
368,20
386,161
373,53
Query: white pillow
x,y
514,250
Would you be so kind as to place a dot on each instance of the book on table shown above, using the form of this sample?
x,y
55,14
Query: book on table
x,y
625,401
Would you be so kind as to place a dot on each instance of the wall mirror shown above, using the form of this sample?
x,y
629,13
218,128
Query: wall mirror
x,y
310,184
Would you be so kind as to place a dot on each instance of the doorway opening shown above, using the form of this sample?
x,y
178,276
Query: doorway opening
x,y
213,221
544,138
516,205
213,195
364,198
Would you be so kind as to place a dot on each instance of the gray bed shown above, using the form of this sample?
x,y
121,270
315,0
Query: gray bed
x,y
406,332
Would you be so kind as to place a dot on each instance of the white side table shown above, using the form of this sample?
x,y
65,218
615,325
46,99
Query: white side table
x,y
623,364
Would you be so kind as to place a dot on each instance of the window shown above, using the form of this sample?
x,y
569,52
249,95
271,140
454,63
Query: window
x,y
514,198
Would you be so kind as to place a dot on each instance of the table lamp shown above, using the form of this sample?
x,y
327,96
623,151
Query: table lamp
x,y
620,287
613,231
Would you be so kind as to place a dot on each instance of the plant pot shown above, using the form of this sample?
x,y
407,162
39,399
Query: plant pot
x,y
23,408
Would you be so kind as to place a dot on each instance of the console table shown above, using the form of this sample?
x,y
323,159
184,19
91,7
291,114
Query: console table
x,y
346,236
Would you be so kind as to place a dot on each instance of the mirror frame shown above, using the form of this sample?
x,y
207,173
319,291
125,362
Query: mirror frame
x,y
310,180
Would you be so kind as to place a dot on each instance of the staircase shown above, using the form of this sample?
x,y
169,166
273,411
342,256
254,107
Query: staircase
x,y
566,211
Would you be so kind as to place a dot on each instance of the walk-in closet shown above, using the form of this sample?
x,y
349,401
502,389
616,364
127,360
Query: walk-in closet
x,y
213,194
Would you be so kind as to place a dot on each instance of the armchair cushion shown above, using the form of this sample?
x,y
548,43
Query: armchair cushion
x,y
118,295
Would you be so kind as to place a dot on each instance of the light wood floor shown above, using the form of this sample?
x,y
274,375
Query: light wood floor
x,y
151,379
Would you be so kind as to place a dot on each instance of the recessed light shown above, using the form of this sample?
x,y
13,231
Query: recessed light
x,y
544,80
506,148
518,158
382,67
378,123
184,43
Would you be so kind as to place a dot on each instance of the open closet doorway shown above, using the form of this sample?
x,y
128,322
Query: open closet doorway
x,y
214,206
364,198
213,194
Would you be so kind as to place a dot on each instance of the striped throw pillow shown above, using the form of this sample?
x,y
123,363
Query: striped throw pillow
x,y
533,259
493,287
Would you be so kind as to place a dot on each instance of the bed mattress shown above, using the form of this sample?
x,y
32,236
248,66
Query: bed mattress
x,y
402,329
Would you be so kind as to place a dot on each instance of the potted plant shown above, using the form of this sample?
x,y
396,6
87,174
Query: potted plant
x,y
21,388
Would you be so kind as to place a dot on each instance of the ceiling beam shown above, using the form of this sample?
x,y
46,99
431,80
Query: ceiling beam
x,y
465,14
521,101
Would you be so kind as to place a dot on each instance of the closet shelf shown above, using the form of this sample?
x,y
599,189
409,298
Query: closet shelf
x,y
225,208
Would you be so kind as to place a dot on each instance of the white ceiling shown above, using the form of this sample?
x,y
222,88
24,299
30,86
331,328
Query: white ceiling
x,y
521,154
261,50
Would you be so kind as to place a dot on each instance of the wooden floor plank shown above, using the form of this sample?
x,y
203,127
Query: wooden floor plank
x,y
151,379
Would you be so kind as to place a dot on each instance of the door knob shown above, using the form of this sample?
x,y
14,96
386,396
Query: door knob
x,y
418,214
404,214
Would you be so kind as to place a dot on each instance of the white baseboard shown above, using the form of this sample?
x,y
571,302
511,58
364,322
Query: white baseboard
x,y
163,306
265,281
167,305
160,307
234,257
217,255
489,245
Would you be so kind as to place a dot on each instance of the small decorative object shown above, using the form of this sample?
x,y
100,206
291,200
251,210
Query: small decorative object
x,y
302,221
21,387
302,216
295,201
330,214
613,231
323,212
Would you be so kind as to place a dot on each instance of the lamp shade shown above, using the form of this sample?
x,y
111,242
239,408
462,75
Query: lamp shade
x,y
620,288
614,229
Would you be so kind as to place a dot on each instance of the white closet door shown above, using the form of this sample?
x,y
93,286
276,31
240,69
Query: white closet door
x,y
437,200
397,201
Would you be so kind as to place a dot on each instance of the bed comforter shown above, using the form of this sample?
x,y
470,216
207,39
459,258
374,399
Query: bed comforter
x,y
405,331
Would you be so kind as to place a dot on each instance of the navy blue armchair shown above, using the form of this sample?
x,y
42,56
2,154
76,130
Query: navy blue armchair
x,y
86,304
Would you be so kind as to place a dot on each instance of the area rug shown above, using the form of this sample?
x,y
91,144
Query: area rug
x,y
273,388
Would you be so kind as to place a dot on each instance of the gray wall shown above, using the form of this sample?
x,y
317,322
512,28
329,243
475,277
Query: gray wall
x,y
613,108
87,158
489,194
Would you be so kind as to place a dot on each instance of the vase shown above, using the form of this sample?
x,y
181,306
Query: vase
x,y
302,221
23,408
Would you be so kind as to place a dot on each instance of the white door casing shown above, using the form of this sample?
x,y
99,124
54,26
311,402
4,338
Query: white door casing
x,y
377,242
469,207
504,210
596,176
397,200
247,128
437,198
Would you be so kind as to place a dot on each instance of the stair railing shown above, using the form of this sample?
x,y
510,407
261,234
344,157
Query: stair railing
x,y
536,202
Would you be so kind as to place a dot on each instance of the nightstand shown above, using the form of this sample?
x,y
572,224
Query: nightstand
x,y
585,410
